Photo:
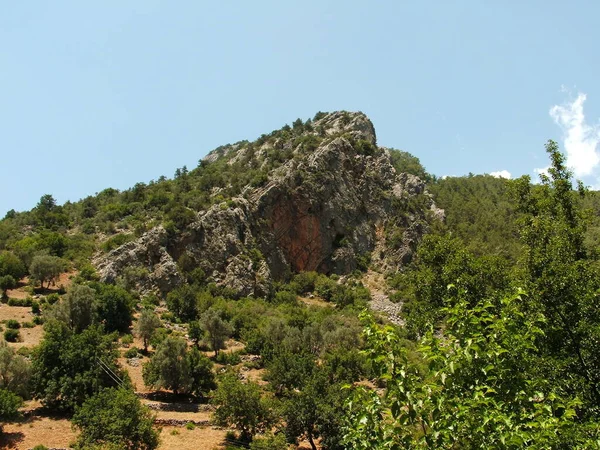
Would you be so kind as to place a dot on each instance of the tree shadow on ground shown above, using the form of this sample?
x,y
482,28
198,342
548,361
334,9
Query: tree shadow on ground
x,y
10,440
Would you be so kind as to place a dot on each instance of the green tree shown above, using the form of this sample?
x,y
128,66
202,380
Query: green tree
x,y
7,282
241,405
440,261
69,367
114,307
115,417
195,332
201,372
217,329
310,411
77,309
146,325
46,268
404,162
15,371
169,367
49,214
563,278
477,387
9,406
11,264
182,302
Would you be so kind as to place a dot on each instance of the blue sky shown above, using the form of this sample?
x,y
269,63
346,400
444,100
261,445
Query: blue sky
x,y
106,94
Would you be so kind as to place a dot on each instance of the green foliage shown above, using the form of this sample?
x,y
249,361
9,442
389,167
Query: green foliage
x,y
440,261
11,264
9,406
305,282
228,359
20,301
288,297
217,329
116,241
195,332
15,372
11,335
46,268
480,212
7,282
168,368
240,405
77,309
563,278
13,324
480,388
95,303
131,352
115,417
269,442
182,302
127,340
69,367
114,307
314,412
404,162
201,372
147,324
174,367
49,214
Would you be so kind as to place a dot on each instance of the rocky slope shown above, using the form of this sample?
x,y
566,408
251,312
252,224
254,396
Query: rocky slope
x,y
332,204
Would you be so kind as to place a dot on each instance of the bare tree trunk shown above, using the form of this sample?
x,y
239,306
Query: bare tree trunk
x,y
311,441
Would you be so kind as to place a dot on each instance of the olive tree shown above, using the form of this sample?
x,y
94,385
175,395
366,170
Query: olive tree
x,y
146,325
46,268
216,328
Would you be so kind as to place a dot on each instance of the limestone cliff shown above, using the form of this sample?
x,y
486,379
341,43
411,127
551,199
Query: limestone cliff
x,y
334,202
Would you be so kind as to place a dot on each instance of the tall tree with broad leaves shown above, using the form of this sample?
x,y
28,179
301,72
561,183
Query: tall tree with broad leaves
x,y
562,278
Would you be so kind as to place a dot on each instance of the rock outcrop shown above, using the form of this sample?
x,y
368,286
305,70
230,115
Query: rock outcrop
x,y
327,209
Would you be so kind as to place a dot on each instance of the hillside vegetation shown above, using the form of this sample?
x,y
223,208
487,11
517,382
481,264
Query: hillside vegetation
x,y
308,289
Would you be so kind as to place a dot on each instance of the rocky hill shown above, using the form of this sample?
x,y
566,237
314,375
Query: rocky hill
x,y
324,197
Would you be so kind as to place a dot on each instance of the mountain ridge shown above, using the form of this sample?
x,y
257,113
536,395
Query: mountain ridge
x,y
319,209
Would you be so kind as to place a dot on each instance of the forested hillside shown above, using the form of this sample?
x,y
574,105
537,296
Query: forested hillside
x,y
305,290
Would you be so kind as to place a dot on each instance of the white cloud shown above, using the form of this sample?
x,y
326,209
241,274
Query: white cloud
x,y
580,139
502,174
542,171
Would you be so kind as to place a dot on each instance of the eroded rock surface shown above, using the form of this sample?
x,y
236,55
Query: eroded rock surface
x,y
323,210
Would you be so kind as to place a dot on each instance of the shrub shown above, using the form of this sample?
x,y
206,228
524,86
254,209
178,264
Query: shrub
x,y
269,442
28,325
306,282
285,297
116,241
11,335
13,324
20,302
190,426
127,340
35,307
132,353
38,320
52,298
230,359
9,406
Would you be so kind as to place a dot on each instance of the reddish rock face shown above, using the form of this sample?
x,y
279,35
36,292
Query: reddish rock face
x,y
298,234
